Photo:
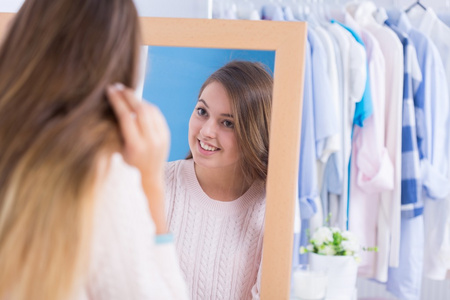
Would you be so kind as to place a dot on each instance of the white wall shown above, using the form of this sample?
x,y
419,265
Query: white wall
x,y
10,5
148,8
173,8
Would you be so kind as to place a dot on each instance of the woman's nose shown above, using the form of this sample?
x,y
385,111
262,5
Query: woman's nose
x,y
209,129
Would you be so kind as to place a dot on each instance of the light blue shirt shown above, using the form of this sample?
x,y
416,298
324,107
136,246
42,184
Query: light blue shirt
x,y
325,119
318,123
307,179
406,280
433,119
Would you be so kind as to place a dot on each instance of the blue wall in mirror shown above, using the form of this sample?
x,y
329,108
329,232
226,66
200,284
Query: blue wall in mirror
x,y
174,77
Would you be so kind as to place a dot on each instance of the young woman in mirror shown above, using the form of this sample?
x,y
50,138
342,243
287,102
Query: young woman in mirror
x,y
216,196
76,182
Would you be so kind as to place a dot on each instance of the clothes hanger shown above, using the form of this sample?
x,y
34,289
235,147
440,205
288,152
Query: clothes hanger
x,y
297,9
245,9
417,3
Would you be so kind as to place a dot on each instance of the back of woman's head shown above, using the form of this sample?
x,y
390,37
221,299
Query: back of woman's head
x,y
56,61
249,87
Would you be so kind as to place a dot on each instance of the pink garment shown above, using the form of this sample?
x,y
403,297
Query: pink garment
x,y
125,262
388,233
219,244
371,168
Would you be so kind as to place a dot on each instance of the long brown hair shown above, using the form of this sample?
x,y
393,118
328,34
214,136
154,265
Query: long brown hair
x,y
249,87
56,126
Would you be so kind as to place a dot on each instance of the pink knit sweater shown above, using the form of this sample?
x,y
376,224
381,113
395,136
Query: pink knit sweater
x,y
218,243
125,263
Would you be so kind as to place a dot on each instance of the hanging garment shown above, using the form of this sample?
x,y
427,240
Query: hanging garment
x,y
431,109
272,12
390,133
371,169
288,14
333,141
432,95
307,179
325,117
437,216
444,17
331,187
354,70
427,22
404,280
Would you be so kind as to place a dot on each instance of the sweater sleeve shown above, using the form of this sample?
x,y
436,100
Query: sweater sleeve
x,y
125,261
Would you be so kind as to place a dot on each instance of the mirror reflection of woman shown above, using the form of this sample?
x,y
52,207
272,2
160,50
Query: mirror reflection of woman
x,y
216,197
81,160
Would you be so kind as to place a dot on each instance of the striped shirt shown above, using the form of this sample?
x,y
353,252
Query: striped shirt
x,y
411,187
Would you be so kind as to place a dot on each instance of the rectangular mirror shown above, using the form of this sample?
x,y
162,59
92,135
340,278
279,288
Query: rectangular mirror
x,y
287,41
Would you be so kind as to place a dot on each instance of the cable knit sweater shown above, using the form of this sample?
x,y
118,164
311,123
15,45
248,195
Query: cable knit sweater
x,y
219,244
125,261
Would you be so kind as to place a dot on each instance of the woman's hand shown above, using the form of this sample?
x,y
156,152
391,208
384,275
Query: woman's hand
x,y
144,130
146,145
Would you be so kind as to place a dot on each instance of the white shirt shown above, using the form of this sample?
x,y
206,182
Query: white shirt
x,y
354,72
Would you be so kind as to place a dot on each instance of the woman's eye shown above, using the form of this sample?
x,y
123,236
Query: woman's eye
x,y
228,124
201,111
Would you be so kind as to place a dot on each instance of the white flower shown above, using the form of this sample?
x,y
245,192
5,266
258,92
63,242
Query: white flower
x,y
322,235
351,246
347,235
335,229
332,241
327,250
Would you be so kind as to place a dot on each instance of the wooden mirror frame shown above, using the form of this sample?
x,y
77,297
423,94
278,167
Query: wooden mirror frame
x,y
288,40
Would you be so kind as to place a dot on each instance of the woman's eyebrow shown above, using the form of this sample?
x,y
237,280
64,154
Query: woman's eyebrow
x,y
223,115
204,102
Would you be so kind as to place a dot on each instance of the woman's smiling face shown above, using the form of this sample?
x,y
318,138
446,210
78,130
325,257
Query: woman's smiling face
x,y
212,139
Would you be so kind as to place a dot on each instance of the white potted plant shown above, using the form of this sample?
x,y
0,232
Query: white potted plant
x,y
336,253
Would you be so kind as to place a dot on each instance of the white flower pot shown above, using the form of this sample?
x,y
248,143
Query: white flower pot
x,y
341,271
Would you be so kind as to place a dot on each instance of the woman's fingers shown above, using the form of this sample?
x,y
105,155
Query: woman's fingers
x,y
136,108
124,113
130,97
